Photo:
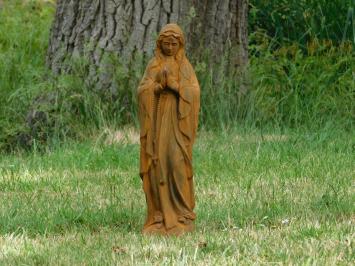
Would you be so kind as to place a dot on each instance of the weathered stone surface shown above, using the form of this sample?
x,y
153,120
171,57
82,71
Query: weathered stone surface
x,y
169,103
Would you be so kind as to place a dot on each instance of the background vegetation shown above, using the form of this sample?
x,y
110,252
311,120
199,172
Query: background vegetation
x,y
304,20
301,75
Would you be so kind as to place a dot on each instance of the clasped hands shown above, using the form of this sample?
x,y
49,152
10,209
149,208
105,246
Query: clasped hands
x,y
164,80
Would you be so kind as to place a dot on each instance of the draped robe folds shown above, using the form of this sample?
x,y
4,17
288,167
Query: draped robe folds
x,y
168,124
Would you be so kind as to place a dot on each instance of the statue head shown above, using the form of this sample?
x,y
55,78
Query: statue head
x,y
170,45
171,41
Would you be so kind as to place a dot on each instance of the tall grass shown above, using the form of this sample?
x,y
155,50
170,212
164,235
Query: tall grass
x,y
302,86
24,29
290,85
303,20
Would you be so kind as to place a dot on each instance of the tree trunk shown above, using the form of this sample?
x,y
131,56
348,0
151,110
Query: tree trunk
x,y
93,28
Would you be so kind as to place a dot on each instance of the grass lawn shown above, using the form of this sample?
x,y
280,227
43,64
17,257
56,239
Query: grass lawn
x,y
262,198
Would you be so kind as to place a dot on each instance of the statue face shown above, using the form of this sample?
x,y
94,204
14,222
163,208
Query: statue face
x,y
170,46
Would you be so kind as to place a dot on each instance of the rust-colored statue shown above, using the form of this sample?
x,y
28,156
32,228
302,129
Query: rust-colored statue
x,y
169,102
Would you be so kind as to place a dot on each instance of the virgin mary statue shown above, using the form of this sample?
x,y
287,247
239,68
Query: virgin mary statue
x,y
169,102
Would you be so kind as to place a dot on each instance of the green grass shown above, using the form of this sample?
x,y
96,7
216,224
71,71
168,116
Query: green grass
x,y
303,20
24,35
263,197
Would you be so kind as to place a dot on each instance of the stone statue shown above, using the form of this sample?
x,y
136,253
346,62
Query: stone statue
x,y
169,102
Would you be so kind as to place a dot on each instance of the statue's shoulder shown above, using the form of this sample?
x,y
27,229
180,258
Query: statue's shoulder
x,y
187,69
152,64
148,77
186,63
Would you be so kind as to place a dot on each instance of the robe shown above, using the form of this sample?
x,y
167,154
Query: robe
x,y
168,124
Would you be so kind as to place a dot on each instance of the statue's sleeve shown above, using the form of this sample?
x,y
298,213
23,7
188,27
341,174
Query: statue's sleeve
x,y
189,104
145,94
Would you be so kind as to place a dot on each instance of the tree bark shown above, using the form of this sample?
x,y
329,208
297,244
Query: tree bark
x,y
93,28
